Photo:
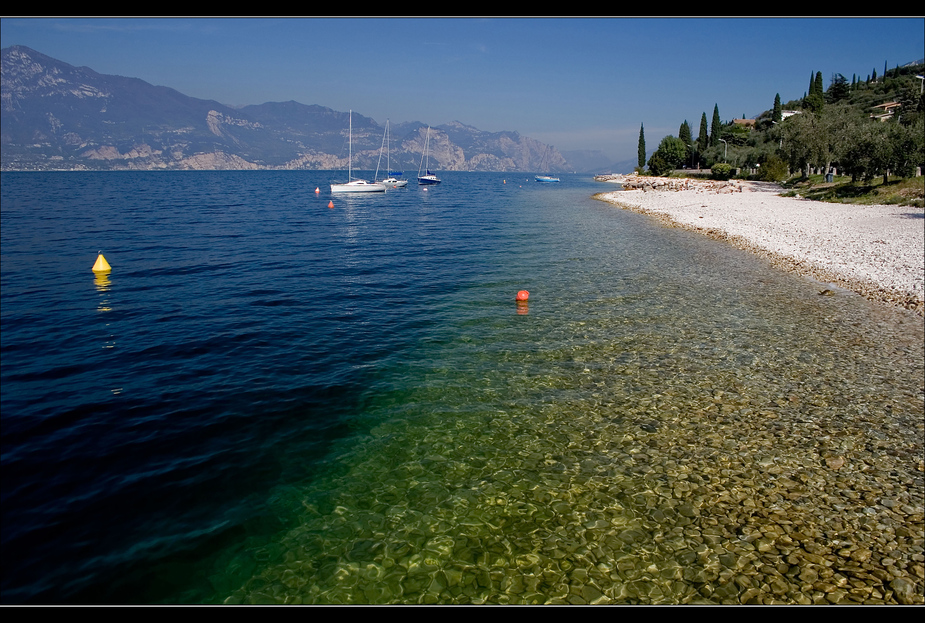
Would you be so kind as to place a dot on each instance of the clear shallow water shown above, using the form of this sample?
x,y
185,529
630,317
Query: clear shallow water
x,y
269,400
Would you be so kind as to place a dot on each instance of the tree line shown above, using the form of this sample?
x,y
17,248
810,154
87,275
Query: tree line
x,y
862,128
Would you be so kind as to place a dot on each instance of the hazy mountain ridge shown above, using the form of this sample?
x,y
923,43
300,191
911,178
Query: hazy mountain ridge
x,y
57,116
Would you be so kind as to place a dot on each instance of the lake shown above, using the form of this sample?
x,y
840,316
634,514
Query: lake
x,y
270,400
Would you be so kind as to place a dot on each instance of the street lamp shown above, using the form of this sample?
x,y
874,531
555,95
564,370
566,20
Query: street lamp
x,y
725,147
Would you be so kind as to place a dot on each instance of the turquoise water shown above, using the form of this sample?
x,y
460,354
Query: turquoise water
x,y
273,401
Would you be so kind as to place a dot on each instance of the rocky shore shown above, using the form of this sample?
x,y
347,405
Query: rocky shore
x,y
876,251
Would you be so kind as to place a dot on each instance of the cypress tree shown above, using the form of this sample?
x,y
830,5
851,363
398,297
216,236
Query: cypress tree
x,y
714,127
641,157
684,133
703,140
777,114
816,97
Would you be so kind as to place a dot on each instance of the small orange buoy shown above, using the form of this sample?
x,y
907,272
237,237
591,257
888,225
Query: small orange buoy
x,y
317,191
523,295
330,204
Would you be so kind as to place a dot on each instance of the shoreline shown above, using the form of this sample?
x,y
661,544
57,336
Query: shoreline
x,y
876,251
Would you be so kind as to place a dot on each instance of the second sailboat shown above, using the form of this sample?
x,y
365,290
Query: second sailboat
x,y
427,177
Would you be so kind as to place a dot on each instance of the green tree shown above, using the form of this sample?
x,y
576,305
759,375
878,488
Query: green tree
x,y
802,141
684,133
816,97
715,126
703,140
837,128
641,150
908,147
658,165
777,113
870,152
670,154
838,89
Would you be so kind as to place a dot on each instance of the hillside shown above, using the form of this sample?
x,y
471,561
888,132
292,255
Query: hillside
x,y
860,127
54,116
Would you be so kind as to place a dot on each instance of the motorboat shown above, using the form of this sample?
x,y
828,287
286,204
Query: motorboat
x,y
393,182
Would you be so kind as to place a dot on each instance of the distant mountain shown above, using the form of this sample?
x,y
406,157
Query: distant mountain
x,y
57,116
594,161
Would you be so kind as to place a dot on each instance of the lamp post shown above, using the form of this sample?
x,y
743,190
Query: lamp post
x,y
725,147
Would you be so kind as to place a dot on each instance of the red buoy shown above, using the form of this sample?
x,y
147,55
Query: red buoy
x,y
330,204
523,295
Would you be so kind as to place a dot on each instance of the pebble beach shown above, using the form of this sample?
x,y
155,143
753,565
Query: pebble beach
x,y
844,544
876,250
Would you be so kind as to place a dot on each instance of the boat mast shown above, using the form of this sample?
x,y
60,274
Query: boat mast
x,y
426,137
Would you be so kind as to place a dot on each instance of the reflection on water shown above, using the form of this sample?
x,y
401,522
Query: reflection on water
x,y
103,285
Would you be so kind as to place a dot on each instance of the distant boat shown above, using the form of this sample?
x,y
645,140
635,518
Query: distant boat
x,y
427,177
545,177
391,181
352,185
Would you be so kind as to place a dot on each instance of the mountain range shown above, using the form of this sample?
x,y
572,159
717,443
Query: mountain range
x,y
54,116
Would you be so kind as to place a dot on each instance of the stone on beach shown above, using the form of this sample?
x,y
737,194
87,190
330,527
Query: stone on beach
x,y
874,250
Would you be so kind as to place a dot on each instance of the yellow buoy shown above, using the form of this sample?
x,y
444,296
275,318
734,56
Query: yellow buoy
x,y
101,265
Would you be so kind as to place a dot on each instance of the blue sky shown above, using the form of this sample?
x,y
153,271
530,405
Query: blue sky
x,y
575,83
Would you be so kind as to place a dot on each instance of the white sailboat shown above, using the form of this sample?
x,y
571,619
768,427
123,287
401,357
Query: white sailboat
x,y
352,185
427,177
391,181
545,176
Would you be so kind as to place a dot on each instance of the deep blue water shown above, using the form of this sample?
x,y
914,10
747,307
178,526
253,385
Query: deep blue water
x,y
254,353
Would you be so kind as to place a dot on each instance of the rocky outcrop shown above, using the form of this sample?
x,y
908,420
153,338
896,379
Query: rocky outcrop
x,y
216,161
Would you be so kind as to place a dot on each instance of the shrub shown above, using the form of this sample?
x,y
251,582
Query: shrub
x,y
721,171
658,165
774,169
